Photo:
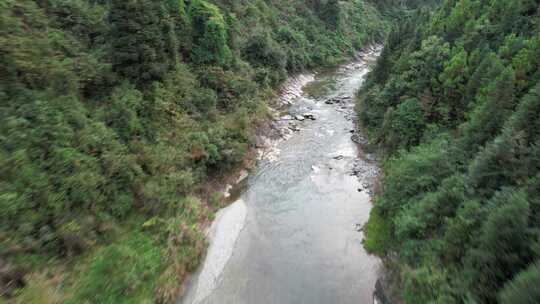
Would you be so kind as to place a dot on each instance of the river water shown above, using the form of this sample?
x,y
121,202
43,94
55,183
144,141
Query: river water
x,y
293,235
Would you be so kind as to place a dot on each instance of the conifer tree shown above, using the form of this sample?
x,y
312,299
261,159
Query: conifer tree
x,y
140,33
495,106
524,288
503,248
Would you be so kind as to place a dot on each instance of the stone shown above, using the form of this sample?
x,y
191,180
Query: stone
x,y
294,128
309,116
287,117
358,139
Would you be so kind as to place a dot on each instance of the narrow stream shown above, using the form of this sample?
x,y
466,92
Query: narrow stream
x,y
293,236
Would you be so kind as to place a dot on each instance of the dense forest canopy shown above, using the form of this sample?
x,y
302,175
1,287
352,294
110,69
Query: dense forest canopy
x,y
114,115
454,102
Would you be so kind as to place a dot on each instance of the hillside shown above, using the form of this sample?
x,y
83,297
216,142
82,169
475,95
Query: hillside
x,y
114,117
453,104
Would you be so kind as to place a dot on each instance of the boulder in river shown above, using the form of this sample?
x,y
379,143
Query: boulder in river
x,y
299,117
294,128
309,116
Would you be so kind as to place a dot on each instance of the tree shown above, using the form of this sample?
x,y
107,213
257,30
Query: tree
x,y
330,13
504,245
261,49
494,108
524,287
453,80
140,35
404,125
209,34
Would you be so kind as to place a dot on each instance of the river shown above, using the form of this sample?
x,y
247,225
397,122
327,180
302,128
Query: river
x,y
294,234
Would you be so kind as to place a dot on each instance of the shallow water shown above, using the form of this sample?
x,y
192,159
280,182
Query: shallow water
x,y
292,236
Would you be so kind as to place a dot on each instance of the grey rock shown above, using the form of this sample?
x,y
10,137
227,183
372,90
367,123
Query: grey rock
x,y
358,139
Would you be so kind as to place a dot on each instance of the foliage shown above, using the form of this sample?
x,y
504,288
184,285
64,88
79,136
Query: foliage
x,y
523,288
122,272
378,234
113,114
453,102
209,34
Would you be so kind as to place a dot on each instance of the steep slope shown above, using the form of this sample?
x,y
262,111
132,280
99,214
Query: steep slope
x,y
114,116
453,103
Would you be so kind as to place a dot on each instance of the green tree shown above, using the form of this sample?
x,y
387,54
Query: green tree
x,y
503,248
523,288
453,80
405,125
140,33
492,111
209,34
330,13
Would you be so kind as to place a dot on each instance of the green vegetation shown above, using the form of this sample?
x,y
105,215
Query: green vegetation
x,y
116,114
378,234
453,104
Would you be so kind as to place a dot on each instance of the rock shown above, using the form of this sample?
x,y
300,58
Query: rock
x,y
243,175
329,102
309,116
227,192
339,157
352,131
360,190
381,294
358,139
358,227
294,128
287,117
299,117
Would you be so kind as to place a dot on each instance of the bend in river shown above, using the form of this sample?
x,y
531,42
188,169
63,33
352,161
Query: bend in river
x,y
294,237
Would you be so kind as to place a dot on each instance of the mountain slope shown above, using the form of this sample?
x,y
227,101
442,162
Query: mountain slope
x,y
453,104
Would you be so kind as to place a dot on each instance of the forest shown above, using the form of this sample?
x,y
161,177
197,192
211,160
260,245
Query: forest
x,y
453,106
116,115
